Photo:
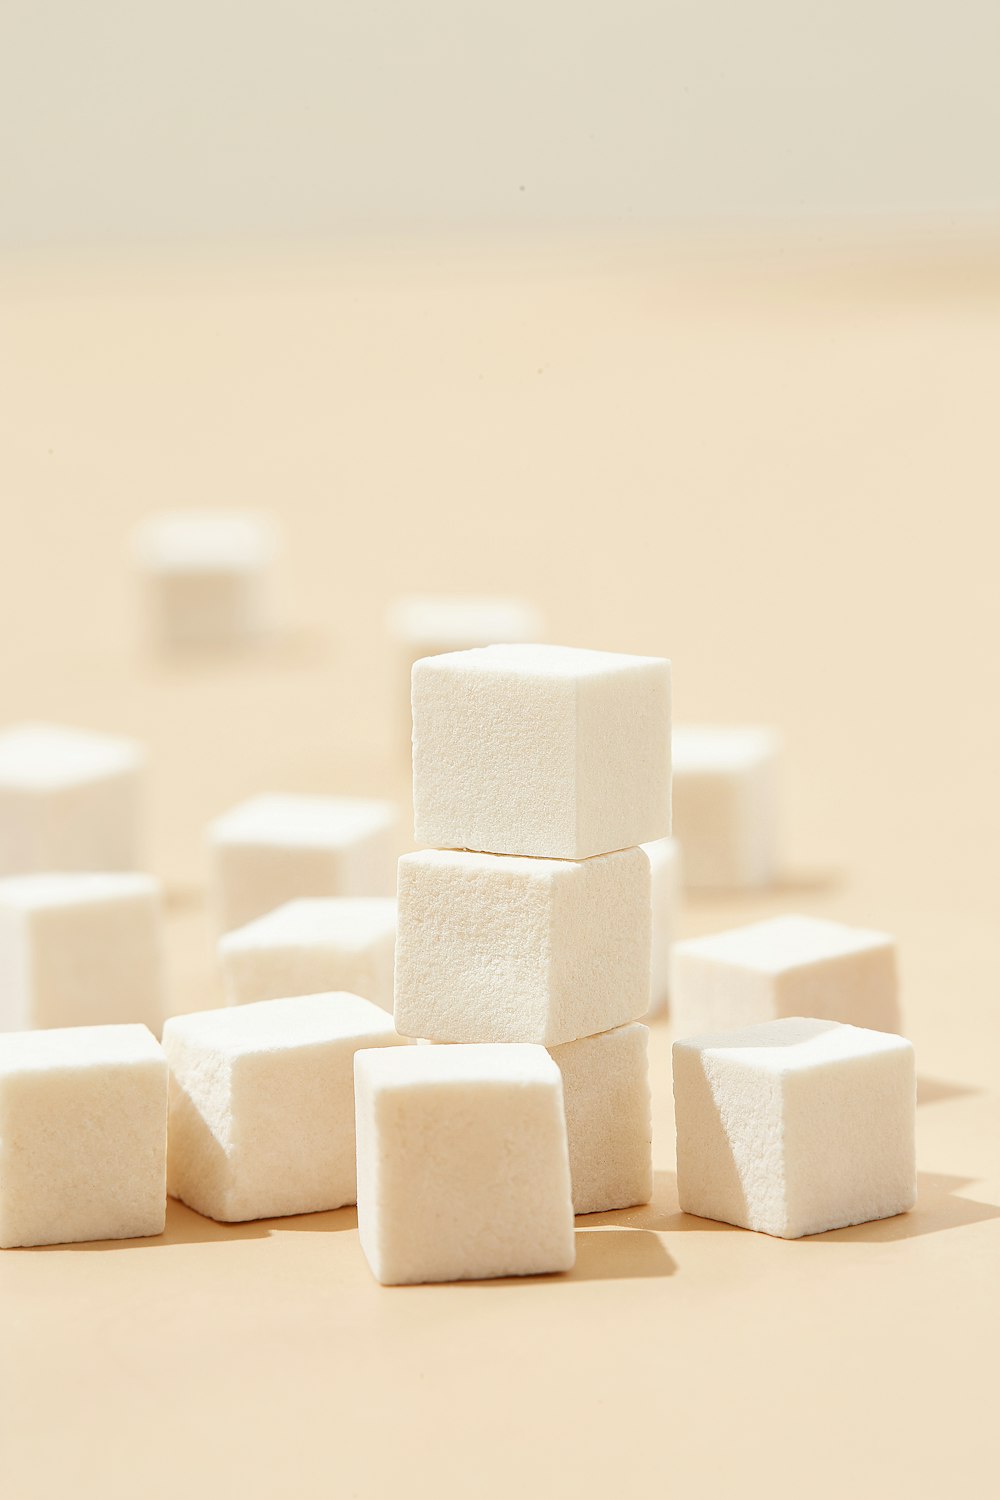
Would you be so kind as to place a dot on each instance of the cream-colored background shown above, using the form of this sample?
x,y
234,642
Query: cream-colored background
x,y
779,471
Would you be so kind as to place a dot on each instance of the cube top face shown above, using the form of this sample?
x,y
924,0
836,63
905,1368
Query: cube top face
x,y
205,541
470,865
28,893
292,820
663,854
445,619
47,758
281,1025
793,1045
783,944
72,1047
541,750
343,922
504,1065
721,749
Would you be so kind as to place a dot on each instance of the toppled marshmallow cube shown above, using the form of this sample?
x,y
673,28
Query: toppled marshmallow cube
x,y
491,948
69,800
541,750
208,577
83,1135
463,1169
80,950
795,1127
306,947
725,805
608,1123
664,857
785,966
262,1104
273,849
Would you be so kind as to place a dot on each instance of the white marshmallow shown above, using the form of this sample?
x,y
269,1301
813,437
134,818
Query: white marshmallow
x,y
69,800
305,947
463,1169
725,805
262,1104
83,1135
80,949
665,865
541,750
492,948
795,1127
608,1122
275,848
207,577
786,966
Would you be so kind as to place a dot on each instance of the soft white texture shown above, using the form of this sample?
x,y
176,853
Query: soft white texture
x,y
795,1126
463,1167
69,800
665,866
725,805
80,950
262,1104
304,947
207,576
83,1135
541,750
608,1121
785,966
275,848
493,948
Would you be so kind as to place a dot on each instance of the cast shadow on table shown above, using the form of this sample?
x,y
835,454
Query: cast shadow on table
x,y
936,1090
602,1254
791,883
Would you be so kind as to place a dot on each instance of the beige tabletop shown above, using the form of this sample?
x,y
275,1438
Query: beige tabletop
x,y
779,470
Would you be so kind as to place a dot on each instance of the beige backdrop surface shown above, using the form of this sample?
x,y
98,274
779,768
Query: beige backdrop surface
x,y
779,471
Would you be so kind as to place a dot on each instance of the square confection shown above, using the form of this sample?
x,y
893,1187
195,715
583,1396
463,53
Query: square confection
x,y
541,750
80,950
492,948
664,857
306,947
69,800
785,966
608,1121
795,1127
83,1135
262,1104
208,577
275,848
725,805
463,1169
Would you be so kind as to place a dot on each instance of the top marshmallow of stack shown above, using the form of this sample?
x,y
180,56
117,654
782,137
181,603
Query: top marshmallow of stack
x,y
547,751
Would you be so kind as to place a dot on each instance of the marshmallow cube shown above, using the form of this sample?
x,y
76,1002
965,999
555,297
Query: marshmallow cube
x,y
207,577
608,1123
80,949
664,857
541,750
306,947
786,966
725,806
492,948
262,1104
69,800
795,1126
463,1169
273,849
83,1135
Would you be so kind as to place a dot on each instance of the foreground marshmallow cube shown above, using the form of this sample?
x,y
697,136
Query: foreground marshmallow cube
x,y
725,805
608,1122
207,576
664,857
795,1126
492,948
262,1104
80,950
786,966
273,849
83,1135
69,800
541,750
463,1169
305,947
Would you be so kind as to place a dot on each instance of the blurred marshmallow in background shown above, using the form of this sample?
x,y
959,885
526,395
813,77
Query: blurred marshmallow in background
x,y
726,805
208,578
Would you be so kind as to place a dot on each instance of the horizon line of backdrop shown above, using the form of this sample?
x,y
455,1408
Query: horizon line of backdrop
x,y
208,119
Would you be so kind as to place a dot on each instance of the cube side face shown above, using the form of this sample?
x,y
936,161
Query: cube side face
x,y
665,892
494,761
608,1118
93,825
472,951
707,995
273,973
600,945
217,607
98,963
21,824
199,1158
15,971
623,758
711,817
859,988
83,1153
849,1141
251,879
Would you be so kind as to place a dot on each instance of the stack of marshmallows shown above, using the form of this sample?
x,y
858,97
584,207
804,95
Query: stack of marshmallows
x,y
524,938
